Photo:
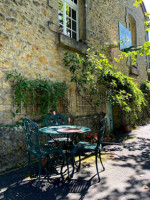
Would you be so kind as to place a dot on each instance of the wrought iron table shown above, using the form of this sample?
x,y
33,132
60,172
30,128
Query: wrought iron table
x,y
65,130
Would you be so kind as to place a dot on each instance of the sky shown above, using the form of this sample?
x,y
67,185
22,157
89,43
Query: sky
x,y
147,5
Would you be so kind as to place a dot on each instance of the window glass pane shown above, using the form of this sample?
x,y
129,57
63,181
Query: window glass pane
x,y
73,25
74,14
75,1
74,35
68,11
60,17
60,5
69,23
68,32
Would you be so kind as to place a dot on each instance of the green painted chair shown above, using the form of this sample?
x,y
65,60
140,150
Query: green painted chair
x,y
56,119
33,146
95,148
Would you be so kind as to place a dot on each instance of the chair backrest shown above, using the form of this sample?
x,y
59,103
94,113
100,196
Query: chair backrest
x,y
56,119
101,132
32,134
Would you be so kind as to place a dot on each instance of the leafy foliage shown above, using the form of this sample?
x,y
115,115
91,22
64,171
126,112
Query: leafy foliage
x,y
41,92
137,2
147,23
145,87
94,75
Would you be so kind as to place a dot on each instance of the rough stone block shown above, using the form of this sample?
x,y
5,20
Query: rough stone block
x,y
29,57
11,19
31,73
18,44
43,11
4,37
5,107
36,49
46,68
2,17
51,63
36,3
42,60
6,85
22,65
1,101
50,75
58,62
6,64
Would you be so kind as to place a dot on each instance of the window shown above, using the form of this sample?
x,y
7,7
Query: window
x,y
68,18
132,28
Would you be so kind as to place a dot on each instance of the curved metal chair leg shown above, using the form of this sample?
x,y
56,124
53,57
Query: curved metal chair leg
x,y
79,163
73,163
101,160
29,165
97,167
38,183
61,170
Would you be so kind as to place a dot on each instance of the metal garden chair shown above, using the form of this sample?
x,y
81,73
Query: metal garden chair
x,y
56,119
91,147
34,148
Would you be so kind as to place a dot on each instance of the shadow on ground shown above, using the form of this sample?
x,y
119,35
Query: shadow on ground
x,y
125,177
15,186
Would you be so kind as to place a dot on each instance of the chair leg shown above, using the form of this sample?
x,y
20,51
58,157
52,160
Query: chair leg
x,y
79,163
29,161
48,161
63,157
97,166
73,163
38,183
101,160
61,171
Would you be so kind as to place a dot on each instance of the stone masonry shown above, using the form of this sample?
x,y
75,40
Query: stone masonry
x,y
30,43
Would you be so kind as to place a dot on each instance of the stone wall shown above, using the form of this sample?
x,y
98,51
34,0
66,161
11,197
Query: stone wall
x,y
102,27
13,148
30,43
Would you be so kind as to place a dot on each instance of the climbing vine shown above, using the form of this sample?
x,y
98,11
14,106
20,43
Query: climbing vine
x,y
42,92
145,87
94,75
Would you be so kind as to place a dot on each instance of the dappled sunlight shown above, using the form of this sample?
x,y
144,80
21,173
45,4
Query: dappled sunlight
x,y
126,175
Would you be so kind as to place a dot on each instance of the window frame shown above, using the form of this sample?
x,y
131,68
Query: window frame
x,y
130,18
133,28
73,6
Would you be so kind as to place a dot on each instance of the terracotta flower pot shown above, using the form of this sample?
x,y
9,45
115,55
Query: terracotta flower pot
x,y
126,128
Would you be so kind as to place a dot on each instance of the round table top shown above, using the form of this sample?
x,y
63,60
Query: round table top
x,y
64,129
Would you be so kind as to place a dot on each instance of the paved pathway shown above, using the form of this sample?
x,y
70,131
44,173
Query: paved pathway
x,y
127,177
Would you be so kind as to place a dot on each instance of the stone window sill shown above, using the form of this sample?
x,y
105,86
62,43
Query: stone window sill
x,y
134,71
71,44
